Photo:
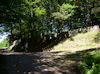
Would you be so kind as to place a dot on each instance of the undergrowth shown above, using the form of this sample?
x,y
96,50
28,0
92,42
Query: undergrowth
x,y
91,64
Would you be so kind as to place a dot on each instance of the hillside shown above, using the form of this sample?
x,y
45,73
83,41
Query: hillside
x,y
79,42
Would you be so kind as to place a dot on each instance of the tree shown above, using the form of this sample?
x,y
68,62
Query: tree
x,y
33,21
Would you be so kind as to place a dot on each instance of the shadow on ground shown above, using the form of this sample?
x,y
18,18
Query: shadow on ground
x,y
42,62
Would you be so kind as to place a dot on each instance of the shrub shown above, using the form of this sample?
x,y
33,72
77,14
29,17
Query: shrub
x,y
91,64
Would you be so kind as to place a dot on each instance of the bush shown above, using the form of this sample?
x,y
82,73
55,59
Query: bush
x,y
91,64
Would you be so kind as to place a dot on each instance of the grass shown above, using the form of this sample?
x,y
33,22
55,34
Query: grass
x,y
4,44
78,42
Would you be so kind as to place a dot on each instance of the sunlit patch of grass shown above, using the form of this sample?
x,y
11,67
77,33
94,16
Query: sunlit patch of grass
x,y
4,44
80,42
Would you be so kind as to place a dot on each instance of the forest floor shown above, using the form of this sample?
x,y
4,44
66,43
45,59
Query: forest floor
x,y
43,62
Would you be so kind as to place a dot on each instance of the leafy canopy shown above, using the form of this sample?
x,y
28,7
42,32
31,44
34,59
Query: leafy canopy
x,y
66,10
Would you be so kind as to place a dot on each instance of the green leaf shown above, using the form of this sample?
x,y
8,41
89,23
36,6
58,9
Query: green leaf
x,y
39,11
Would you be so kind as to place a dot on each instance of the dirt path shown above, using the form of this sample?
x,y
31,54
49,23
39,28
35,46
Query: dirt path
x,y
42,62
38,63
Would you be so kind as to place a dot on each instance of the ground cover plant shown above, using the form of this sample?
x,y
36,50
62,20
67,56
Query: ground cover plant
x,y
91,64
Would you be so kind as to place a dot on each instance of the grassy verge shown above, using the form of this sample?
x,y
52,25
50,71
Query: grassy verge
x,y
78,42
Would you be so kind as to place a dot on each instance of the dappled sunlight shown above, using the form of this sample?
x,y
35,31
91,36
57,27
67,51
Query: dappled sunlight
x,y
43,62
52,63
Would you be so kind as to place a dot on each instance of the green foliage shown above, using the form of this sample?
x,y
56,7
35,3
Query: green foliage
x,y
4,43
91,64
59,16
95,10
1,31
97,38
37,17
66,10
39,12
